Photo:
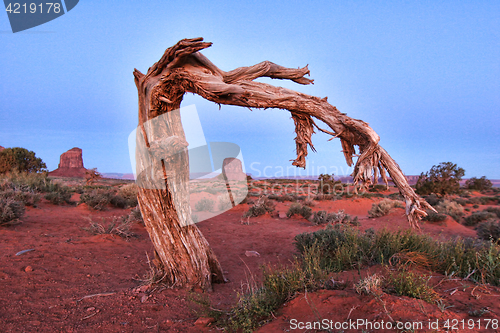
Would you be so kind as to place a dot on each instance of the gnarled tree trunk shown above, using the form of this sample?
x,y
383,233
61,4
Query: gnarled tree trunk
x,y
184,253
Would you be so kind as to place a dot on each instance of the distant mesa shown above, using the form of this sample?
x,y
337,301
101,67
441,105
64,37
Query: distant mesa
x,y
70,165
1,148
232,169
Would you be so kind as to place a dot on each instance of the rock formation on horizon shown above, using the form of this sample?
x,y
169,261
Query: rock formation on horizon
x,y
233,170
1,148
70,165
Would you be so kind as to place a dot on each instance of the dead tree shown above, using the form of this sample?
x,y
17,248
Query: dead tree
x,y
183,252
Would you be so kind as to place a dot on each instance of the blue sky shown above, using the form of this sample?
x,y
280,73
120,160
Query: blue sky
x,y
424,74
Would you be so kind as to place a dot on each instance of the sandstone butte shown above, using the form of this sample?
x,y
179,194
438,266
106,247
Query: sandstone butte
x,y
70,164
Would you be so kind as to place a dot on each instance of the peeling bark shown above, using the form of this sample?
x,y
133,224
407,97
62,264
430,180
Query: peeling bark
x,y
183,251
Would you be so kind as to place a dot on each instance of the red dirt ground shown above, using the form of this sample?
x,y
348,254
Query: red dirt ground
x,y
76,282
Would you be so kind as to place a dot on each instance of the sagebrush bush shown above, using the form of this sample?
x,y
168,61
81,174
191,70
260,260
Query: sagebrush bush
x,y
28,197
129,192
489,231
477,217
383,207
494,210
224,203
453,209
434,217
262,206
204,205
298,209
96,199
10,211
117,225
323,217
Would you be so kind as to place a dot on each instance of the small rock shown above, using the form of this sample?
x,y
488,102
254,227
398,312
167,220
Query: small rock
x,y
141,289
204,321
252,254
28,269
282,215
144,298
90,309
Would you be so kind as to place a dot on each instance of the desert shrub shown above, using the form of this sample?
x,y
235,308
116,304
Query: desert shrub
x,y
10,211
322,197
370,285
451,208
488,200
434,217
323,217
396,196
27,197
377,188
344,248
298,209
59,196
406,283
118,201
327,183
441,179
96,199
224,203
489,231
279,284
309,203
136,215
478,184
383,207
478,217
494,210
129,192
118,225
461,201
262,206
204,205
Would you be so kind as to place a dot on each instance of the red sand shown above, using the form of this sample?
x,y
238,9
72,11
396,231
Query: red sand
x,y
77,282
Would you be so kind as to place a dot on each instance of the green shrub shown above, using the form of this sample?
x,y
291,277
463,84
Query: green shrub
x,y
434,217
280,284
129,192
383,207
441,179
477,217
344,248
118,201
204,205
451,208
10,211
489,231
262,206
405,283
478,184
461,201
96,199
20,160
494,210
58,197
323,217
298,209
